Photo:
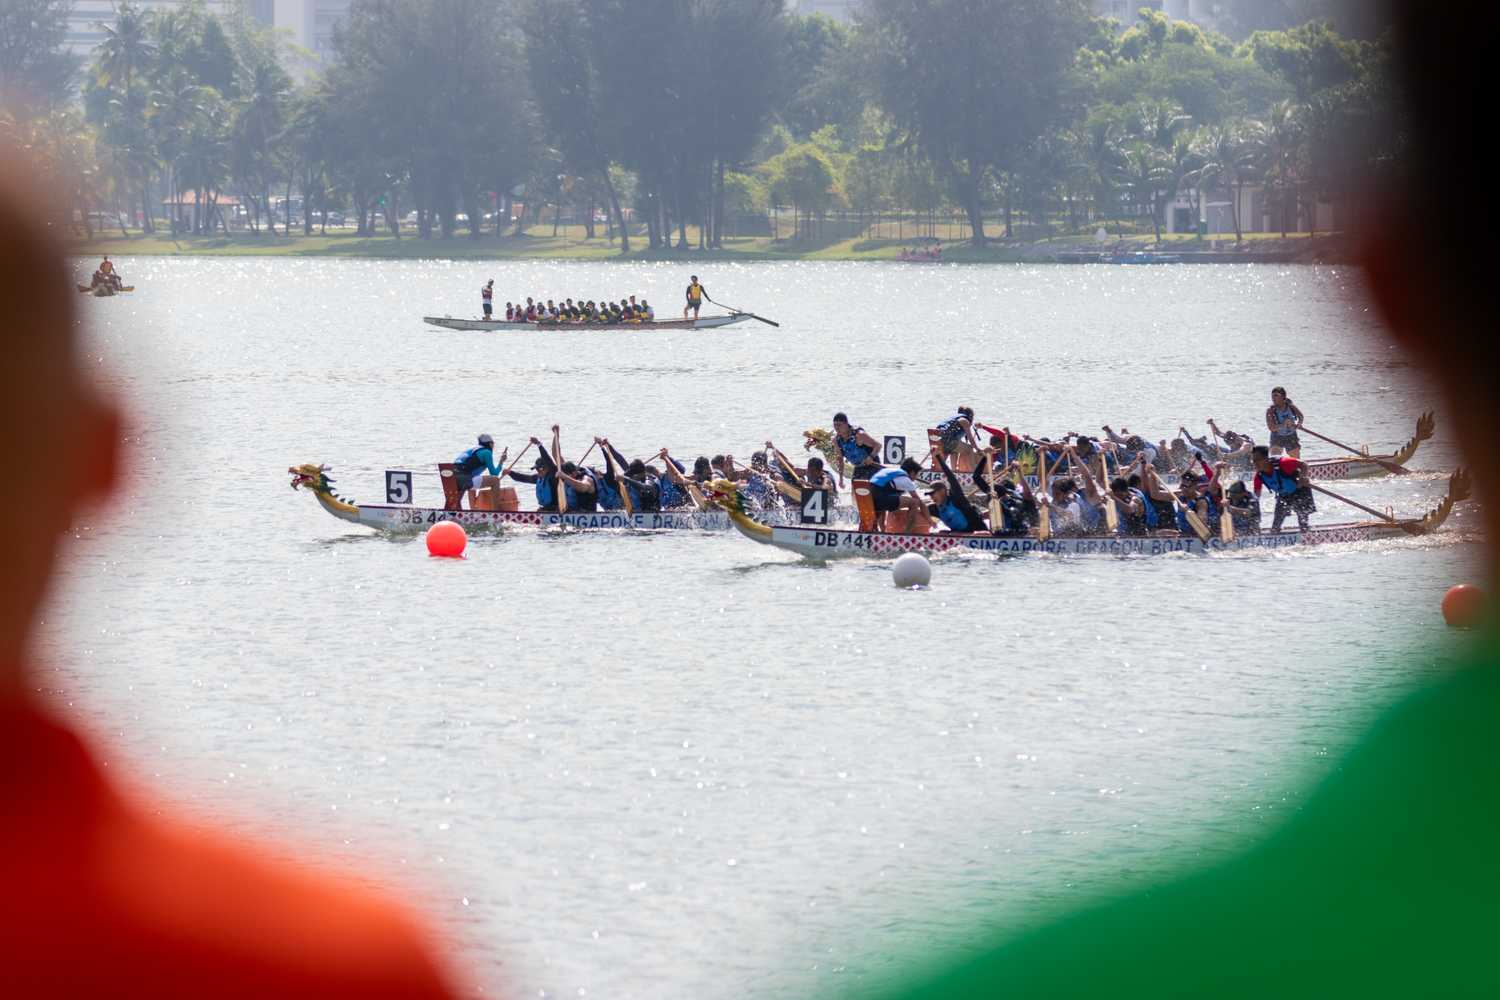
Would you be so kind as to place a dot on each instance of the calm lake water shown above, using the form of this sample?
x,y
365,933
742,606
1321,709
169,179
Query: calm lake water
x,y
683,765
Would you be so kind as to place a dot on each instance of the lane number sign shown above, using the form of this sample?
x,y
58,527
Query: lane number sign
x,y
397,486
894,451
815,506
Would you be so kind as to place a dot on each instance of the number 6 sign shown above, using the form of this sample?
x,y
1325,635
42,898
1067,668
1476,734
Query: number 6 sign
x,y
894,452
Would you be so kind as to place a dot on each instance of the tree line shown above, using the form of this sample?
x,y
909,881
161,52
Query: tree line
x,y
657,116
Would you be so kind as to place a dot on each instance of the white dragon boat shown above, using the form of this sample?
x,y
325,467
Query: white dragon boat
x,y
410,518
701,323
820,542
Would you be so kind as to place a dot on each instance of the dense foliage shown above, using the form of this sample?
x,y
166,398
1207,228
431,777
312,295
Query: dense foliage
x,y
654,116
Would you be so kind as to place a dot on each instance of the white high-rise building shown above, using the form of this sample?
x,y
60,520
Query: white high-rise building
x,y
308,24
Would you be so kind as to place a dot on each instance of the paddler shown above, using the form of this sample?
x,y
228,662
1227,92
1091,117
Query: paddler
x,y
1287,479
107,268
472,466
696,293
544,475
895,490
1283,418
855,447
487,299
949,504
956,434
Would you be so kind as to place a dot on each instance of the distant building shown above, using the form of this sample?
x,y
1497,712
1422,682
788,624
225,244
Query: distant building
x,y
839,10
1204,13
308,24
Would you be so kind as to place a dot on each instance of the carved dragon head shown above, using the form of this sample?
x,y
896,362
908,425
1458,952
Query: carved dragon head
x,y
314,477
821,440
725,494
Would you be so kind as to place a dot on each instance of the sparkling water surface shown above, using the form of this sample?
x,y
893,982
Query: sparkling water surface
x,y
683,765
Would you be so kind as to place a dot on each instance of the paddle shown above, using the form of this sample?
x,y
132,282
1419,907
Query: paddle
x,y
609,467
1391,467
1406,526
518,457
1043,498
1226,519
741,312
690,487
792,490
997,513
1111,514
562,494
1188,513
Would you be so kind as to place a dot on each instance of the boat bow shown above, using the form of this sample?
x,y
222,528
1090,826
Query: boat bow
x,y
728,497
315,478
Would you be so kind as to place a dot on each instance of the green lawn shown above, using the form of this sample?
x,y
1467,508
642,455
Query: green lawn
x,y
570,244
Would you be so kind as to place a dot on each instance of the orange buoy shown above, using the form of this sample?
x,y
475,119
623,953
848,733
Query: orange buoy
x,y
1463,605
446,539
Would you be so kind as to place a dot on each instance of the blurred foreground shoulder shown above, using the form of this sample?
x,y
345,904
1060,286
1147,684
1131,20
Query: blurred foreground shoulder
x,y
104,899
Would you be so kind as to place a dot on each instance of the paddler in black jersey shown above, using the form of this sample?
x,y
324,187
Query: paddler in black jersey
x,y
696,293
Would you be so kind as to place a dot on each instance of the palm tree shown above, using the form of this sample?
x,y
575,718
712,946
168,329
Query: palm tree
x,y
1229,153
1098,163
258,125
1148,174
1282,141
127,50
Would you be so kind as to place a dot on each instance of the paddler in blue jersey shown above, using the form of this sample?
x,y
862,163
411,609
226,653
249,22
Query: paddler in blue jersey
x,y
855,448
544,476
894,491
472,466
949,504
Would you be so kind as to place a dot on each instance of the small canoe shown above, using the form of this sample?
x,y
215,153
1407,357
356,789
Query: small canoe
x,y
104,291
702,323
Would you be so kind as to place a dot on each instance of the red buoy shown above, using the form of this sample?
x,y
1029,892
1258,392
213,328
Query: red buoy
x,y
446,539
1463,606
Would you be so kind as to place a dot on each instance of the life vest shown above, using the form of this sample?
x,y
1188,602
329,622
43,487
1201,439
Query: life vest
x,y
580,501
546,493
670,495
1151,514
885,477
855,453
759,489
1284,416
469,462
950,429
609,497
1277,481
950,515
695,293
1209,521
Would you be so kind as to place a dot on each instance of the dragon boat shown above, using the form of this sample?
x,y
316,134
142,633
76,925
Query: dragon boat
x,y
823,542
1318,469
408,517
701,323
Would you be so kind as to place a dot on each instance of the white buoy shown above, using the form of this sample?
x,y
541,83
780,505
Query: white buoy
x,y
911,570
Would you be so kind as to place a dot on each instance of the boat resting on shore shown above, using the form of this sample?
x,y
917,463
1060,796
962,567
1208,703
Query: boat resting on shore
x,y
701,323
409,518
822,542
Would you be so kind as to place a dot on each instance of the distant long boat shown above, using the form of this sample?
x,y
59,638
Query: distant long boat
x,y
702,323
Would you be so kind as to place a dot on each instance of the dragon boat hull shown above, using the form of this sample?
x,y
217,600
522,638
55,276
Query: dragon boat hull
x,y
702,323
838,543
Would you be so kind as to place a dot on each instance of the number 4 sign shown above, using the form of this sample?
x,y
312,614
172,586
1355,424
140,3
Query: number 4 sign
x,y
814,506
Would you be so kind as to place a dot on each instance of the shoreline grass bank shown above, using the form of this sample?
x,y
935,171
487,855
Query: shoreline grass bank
x,y
540,244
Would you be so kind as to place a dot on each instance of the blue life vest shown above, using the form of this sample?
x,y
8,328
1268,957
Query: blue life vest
x,y
572,496
546,494
954,518
1283,417
1150,517
759,489
885,477
609,497
635,498
672,495
469,462
854,452
1278,481
1209,521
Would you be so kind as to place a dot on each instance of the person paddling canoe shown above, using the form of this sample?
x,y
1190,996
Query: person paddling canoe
x,y
696,293
472,466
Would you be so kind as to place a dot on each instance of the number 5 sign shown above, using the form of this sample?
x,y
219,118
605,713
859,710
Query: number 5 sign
x,y
397,486
894,452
